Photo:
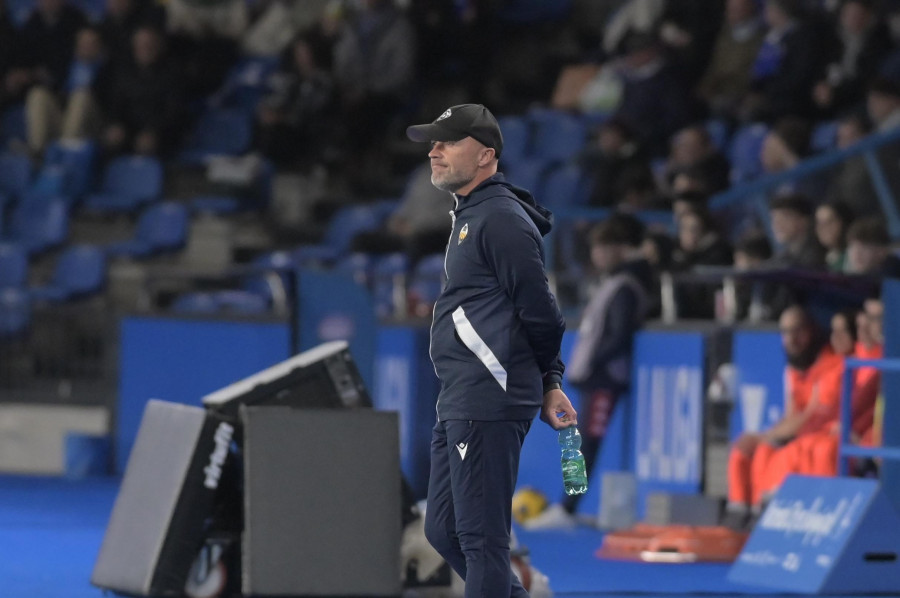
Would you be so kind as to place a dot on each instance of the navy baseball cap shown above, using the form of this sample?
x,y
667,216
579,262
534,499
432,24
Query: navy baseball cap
x,y
459,122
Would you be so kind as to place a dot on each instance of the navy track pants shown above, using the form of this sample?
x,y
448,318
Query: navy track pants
x,y
474,465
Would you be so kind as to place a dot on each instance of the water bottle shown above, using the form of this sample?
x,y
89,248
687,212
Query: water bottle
x,y
574,475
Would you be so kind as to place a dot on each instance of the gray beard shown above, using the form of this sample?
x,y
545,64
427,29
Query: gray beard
x,y
451,186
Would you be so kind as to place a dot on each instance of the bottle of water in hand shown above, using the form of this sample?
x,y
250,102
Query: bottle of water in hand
x,y
574,475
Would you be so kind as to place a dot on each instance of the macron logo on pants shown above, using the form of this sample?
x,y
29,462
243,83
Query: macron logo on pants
x,y
462,447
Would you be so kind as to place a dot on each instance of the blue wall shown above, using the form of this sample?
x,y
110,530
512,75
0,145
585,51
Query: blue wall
x,y
182,360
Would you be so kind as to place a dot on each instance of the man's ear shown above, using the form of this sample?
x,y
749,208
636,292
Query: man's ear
x,y
487,155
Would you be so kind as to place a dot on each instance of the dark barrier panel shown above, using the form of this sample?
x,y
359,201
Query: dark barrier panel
x,y
322,503
181,360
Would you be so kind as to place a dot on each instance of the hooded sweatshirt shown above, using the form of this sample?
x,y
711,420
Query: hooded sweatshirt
x,y
497,329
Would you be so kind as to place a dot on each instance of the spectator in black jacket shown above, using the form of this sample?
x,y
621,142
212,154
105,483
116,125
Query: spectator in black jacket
x,y
869,249
792,227
614,150
121,19
295,119
699,243
648,76
789,63
145,106
693,148
865,41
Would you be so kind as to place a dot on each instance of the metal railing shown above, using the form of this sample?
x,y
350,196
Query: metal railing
x,y
846,448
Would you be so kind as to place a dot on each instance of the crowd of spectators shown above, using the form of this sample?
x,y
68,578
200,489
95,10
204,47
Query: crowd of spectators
x,y
650,75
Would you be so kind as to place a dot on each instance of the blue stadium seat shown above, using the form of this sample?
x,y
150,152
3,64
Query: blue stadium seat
x,y
15,312
128,183
40,224
161,228
16,171
516,139
68,169
558,136
218,131
80,271
744,151
563,186
13,266
344,225
527,174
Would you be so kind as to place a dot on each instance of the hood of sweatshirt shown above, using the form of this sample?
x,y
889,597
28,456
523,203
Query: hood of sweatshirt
x,y
497,185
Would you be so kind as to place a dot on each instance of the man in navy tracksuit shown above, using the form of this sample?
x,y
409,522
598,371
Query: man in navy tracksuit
x,y
495,343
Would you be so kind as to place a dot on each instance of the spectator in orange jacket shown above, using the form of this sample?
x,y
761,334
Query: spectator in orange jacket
x,y
816,453
812,395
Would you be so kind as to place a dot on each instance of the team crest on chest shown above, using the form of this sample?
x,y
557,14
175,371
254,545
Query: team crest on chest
x,y
463,233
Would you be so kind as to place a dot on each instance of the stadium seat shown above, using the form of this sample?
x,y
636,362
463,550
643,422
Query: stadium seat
x,y
744,151
344,225
563,186
527,174
40,224
218,131
13,266
80,271
128,183
558,136
516,138
67,169
15,174
15,312
161,228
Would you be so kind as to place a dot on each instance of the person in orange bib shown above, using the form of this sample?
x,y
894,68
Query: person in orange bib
x,y
812,399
